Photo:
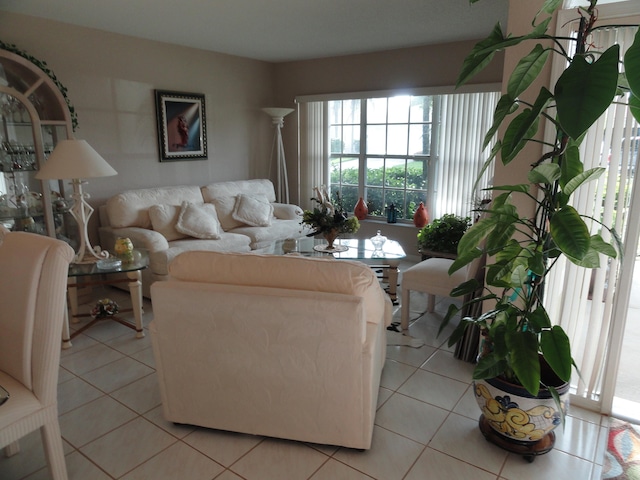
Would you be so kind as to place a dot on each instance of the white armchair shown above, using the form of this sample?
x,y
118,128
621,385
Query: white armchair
x,y
32,294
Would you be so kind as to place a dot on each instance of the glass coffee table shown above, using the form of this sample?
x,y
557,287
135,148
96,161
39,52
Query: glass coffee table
x,y
388,258
84,275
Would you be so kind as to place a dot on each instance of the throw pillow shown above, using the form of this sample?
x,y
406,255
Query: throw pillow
x,y
255,211
164,219
224,210
198,220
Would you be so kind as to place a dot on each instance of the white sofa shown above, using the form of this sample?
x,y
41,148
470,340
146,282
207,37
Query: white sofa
x,y
149,218
282,346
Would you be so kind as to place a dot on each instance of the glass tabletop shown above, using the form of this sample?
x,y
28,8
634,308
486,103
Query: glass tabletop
x,y
356,249
141,261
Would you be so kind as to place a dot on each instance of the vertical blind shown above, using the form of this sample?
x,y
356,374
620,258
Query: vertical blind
x,y
581,300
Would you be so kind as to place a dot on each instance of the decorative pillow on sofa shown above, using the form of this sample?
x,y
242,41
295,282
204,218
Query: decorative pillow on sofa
x,y
224,210
255,211
198,220
164,219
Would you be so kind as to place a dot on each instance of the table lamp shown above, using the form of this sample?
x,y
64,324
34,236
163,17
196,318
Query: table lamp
x,y
77,160
277,117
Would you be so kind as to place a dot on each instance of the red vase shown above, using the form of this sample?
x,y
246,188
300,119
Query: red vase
x,y
360,210
420,217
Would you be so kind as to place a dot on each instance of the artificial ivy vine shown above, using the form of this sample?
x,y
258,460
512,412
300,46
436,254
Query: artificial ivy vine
x,y
45,68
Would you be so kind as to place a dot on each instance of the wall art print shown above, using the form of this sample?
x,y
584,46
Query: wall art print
x,y
181,126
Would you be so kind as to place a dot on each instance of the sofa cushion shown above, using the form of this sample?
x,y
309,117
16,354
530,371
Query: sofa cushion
x,y
224,210
262,237
131,208
164,219
232,189
255,211
198,220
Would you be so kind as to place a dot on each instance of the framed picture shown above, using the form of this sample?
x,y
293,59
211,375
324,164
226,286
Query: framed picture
x,y
181,126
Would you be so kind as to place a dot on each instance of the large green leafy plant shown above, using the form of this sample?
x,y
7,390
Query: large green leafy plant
x,y
523,249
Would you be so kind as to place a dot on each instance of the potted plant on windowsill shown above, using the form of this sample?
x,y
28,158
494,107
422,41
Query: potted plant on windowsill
x,y
441,236
521,343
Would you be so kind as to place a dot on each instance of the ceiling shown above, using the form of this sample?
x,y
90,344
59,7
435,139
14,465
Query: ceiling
x,y
279,30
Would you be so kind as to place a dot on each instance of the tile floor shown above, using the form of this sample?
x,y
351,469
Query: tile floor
x,y
426,425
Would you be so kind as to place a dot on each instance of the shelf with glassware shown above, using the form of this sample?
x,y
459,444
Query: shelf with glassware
x,y
34,117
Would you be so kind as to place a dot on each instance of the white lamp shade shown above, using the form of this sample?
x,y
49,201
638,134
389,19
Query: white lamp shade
x,y
74,159
276,112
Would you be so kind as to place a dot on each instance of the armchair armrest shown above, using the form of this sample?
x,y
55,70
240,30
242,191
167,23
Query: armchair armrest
x,y
285,211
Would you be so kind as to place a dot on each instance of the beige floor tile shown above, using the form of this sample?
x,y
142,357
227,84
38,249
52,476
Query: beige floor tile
x,y
228,475
141,395
434,389
334,470
223,447
156,417
411,418
64,375
578,437
29,460
145,356
409,355
279,459
460,437
128,446
446,364
74,393
395,374
555,464
90,358
108,330
437,465
467,405
117,374
383,395
128,343
390,457
78,344
177,462
92,420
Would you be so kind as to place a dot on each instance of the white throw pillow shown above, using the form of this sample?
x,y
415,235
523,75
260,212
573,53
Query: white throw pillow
x,y
198,220
255,211
164,219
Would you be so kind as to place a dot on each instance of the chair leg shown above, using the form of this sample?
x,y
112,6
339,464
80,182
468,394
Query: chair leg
x,y
54,453
12,449
431,303
404,309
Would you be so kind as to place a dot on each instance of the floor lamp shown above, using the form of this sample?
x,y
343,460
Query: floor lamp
x,y
76,160
277,116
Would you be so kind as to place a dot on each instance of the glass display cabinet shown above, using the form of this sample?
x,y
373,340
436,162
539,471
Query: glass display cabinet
x,y
34,116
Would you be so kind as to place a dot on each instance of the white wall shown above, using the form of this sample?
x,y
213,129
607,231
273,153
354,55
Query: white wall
x,y
110,80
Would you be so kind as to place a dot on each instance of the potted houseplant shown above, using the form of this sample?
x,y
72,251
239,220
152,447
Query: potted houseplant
x,y
328,218
443,234
521,343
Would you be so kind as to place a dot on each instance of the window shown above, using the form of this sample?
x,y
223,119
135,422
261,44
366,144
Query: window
x,y
400,150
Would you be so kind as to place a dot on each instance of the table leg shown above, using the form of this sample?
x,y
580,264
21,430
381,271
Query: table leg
x,y
135,289
66,339
393,280
72,297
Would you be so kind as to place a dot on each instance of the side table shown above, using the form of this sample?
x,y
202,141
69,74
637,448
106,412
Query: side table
x,y
92,275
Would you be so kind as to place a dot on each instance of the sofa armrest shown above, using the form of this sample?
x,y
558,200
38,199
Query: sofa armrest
x,y
285,211
140,237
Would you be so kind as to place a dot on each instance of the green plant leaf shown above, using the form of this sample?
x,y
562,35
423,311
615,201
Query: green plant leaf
x,y
472,238
590,260
634,106
481,55
452,311
489,366
569,232
520,188
537,264
521,128
599,245
585,90
539,319
550,6
465,288
570,165
589,175
632,65
464,258
544,173
527,71
555,347
506,105
523,347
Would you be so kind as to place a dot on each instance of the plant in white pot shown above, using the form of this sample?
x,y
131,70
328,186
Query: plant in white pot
x,y
523,349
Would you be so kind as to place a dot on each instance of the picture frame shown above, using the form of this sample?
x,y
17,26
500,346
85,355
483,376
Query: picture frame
x,y
182,126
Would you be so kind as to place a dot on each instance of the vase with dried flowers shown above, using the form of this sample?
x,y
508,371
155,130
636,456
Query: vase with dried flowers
x,y
328,218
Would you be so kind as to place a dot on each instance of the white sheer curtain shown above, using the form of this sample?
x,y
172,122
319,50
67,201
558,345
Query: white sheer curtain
x,y
464,120
581,300
313,149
